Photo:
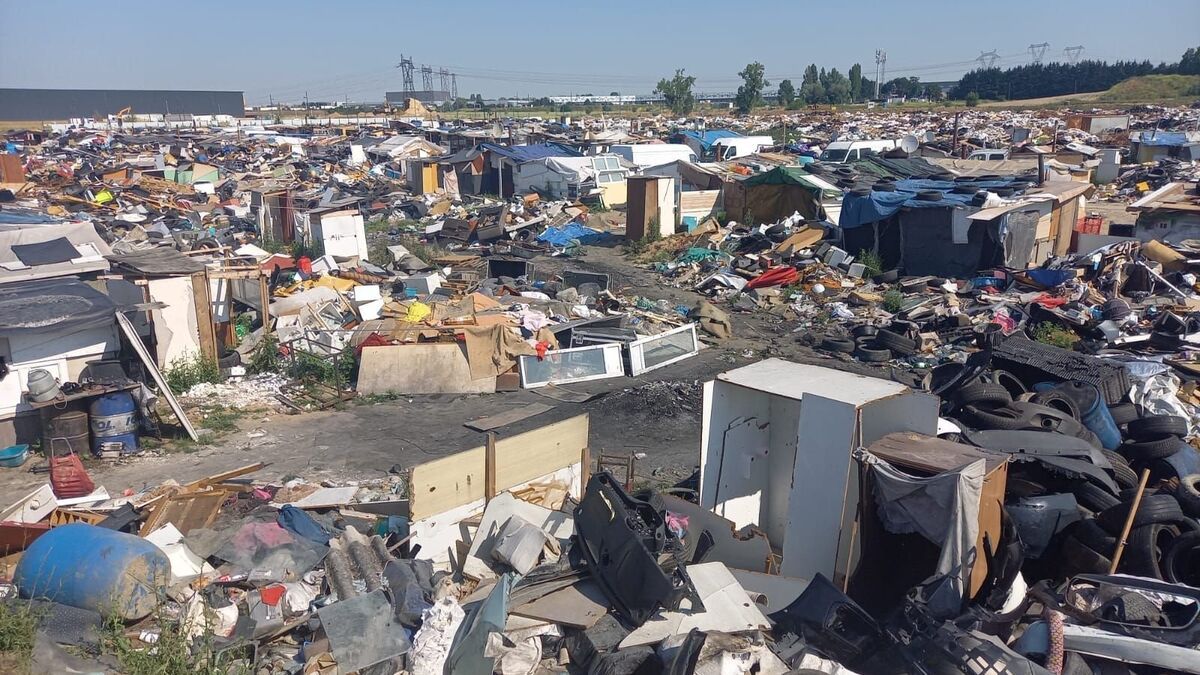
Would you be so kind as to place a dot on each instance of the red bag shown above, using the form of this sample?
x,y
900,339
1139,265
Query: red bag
x,y
68,478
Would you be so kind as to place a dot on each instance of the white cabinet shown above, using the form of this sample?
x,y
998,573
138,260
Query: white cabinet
x,y
775,452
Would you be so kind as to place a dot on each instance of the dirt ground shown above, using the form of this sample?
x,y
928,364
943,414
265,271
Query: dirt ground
x,y
656,416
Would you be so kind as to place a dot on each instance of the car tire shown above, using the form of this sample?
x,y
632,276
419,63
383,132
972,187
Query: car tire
x,y
840,345
1156,425
897,343
1122,473
1090,534
1157,508
1181,561
1011,382
1000,419
982,394
1158,447
1115,309
1145,550
1093,497
872,354
1188,494
1123,413
1057,400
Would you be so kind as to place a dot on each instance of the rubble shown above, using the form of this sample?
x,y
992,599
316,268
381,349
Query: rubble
x,y
1028,505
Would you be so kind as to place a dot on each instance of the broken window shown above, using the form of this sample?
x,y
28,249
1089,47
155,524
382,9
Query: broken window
x,y
663,349
578,364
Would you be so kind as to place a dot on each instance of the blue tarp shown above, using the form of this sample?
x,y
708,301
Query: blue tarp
x,y
707,138
572,231
859,210
1167,138
528,153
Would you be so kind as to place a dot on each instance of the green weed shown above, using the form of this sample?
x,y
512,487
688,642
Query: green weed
x,y
1055,335
871,261
893,300
265,358
186,372
18,623
170,654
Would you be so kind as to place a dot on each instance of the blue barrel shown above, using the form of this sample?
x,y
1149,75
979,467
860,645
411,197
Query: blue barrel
x,y
94,568
114,420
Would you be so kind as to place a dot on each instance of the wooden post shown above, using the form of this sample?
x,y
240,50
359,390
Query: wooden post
x,y
585,469
204,319
264,297
489,467
1133,509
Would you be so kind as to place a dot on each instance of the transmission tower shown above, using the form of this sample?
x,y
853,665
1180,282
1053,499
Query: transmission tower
x,y
1038,51
880,69
1072,54
427,78
406,70
988,59
454,86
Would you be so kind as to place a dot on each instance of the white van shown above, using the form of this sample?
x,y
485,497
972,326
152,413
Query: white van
x,y
989,154
725,149
653,154
840,152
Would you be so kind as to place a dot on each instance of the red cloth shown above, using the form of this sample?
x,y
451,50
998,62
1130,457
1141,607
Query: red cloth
x,y
1049,301
305,265
776,276
541,347
372,340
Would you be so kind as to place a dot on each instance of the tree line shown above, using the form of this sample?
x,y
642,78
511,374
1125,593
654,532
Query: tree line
x,y
821,86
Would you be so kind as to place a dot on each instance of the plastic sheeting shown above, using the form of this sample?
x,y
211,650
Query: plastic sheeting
x,y
572,232
52,306
944,509
858,210
431,645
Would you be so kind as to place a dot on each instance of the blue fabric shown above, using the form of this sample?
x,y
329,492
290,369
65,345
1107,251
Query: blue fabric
x,y
527,153
298,522
859,210
572,231
1050,278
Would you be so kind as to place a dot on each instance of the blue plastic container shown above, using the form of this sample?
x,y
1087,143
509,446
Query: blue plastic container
x,y
1093,412
94,568
114,419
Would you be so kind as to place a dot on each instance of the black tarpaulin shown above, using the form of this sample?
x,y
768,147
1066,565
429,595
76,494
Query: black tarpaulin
x,y
155,261
52,306
46,252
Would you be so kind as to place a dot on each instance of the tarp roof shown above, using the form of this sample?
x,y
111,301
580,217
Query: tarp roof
x,y
859,209
78,233
528,153
65,305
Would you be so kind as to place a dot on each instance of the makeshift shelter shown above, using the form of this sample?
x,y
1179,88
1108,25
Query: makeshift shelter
x,y
503,162
57,325
773,195
36,246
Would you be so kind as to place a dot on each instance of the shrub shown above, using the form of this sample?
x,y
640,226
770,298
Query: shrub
x,y
1053,334
893,300
188,371
972,100
871,261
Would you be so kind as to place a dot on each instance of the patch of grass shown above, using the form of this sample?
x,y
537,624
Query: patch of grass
x,y
186,372
18,623
1055,335
220,419
171,654
893,300
1148,88
871,261
307,368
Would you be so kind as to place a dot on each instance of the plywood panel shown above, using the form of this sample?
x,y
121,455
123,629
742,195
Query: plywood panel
x,y
445,483
526,456
437,368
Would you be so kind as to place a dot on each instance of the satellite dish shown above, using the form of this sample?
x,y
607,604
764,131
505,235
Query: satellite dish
x,y
909,144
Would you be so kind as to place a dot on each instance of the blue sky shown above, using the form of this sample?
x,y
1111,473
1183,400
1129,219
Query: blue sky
x,y
339,50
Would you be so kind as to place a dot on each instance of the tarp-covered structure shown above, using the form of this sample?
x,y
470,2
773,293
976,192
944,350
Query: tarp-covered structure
x,y
45,252
52,306
772,195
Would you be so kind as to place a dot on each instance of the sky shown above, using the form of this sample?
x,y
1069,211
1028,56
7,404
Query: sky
x,y
349,50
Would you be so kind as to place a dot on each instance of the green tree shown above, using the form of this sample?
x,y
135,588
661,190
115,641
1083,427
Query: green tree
x,y
749,94
837,88
972,100
811,89
856,82
787,93
1189,64
677,92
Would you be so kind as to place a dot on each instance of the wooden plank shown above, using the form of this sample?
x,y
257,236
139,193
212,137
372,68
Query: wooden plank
x,y
580,605
226,475
524,457
204,320
445,483
138,346
507,417
489,466
186,511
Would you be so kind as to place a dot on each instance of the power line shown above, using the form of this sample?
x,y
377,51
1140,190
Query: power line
x,y
1038,51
